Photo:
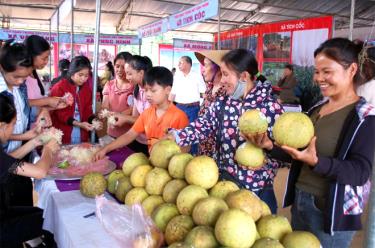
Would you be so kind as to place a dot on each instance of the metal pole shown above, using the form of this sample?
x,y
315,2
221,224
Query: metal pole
x,y
370,235
58,35
218,26
72,33
96,61
173,54
50,57
140,47
351,20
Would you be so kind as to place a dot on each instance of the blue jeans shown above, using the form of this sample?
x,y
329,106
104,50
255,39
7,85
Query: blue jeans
x,y
268,196
307,217
192,114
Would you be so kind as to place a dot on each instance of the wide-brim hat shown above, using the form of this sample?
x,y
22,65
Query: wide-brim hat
x,y
213,55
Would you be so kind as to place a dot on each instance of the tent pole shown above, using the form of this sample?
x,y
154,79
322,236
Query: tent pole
x,y
352,10
58,35
72,32
96,61
218,26
50,57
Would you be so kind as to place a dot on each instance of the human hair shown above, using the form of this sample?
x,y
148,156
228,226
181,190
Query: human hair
x,y
241,60
126,56
367,63
342,51
64,66
289,66
7,109
110,68
187,60
78,63
36,45
159,75
13,56
140,63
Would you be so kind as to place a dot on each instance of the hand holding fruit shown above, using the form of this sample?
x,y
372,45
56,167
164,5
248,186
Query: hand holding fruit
x,y
308,155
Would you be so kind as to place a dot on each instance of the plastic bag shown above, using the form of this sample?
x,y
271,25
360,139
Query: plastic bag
x,y
128,224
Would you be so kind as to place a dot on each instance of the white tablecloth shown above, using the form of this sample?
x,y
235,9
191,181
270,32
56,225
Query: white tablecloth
x,y
63,216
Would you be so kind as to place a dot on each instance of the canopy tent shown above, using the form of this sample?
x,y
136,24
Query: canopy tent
x,y
128,15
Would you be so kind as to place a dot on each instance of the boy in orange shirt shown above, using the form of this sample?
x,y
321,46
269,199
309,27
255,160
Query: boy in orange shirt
x,y
157,119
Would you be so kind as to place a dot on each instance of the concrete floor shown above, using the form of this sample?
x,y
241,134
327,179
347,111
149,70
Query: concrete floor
x,y
358,240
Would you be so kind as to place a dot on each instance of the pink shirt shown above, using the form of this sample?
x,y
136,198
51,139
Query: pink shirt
x,y
33,90
119,100
141,104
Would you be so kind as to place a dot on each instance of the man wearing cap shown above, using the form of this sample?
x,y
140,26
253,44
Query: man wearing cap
x,y
187,88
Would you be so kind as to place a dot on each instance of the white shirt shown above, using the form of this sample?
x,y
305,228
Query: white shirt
x,y
187,89
367,90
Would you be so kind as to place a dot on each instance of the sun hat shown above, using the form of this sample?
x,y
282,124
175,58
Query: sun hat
x,y
213,55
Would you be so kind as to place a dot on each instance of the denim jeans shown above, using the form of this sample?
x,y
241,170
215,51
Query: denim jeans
x,y
307,217
192,114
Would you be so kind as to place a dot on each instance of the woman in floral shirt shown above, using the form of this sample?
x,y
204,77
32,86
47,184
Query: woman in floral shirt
x,y
210,61
246,89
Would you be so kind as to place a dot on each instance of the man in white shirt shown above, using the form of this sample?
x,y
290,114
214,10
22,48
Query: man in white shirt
x,y
188,87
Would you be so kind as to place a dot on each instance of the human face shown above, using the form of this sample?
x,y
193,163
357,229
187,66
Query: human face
x,y
157,94
183,65
41,60
120,69
287,72
6,130
80,77
332,78
134,76
208,70
229,78
17,77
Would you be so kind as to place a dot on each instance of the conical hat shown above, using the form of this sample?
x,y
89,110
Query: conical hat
x,y
213,55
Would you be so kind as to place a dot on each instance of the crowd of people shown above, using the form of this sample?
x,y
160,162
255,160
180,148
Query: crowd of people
x,y
200,112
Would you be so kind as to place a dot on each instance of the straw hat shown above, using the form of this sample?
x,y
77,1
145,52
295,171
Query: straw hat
x,y
213,55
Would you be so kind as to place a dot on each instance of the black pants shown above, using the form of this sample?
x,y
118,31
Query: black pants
x,y
20,191
139,147
19,225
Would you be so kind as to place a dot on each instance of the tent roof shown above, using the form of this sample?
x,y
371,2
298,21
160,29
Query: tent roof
x,y
128,15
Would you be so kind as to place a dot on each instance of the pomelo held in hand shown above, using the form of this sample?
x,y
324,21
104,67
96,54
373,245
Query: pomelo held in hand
x,y
252,122
293,129
249,155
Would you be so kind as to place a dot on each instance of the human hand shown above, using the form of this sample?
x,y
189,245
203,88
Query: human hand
x,y
100,154
260,140
97,125
308,155
86,126
44,118
52,146
120,119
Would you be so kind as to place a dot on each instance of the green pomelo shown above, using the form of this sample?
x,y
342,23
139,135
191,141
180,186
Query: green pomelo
x,y
207,211
235,228
177,164
267,243
249,155
162,152
133,161
151,203
177,228
202,237
123,187
156,180
113,180
300,239
93,184
188,197
138,175
293,129
172,189
135,195
223,188
202,171
273,226
245,200
163,214
252,122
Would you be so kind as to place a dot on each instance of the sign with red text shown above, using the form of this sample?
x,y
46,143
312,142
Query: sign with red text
x,y
192,44
197,13
20,35
153,29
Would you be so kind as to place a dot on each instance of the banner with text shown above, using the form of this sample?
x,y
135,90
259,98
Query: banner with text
x,y
193,44
194,14
153,29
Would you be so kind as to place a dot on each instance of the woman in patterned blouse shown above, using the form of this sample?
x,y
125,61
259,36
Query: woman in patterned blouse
x,y
246,89
210,61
